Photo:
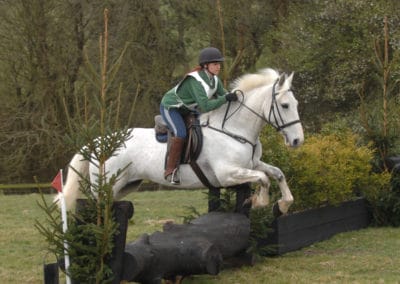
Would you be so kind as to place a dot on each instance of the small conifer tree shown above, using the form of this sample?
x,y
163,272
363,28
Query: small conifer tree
x,y
96,136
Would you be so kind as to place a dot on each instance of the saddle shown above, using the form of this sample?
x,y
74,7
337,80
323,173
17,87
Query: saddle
x,y
192,147
194,140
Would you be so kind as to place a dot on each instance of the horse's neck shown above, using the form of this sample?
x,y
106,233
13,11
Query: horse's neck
x,y
242,121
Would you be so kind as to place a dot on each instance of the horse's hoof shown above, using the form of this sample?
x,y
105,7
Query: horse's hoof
x,y
276,211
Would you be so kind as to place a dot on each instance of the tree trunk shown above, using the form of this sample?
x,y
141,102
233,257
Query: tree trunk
x,y
196,248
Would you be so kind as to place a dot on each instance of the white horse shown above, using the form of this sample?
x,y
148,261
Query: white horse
x,y
231,147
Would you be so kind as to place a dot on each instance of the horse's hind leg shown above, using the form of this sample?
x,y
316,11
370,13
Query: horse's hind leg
x,y
126,189
274,172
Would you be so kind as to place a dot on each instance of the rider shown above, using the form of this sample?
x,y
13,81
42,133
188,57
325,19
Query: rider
x,y
200,90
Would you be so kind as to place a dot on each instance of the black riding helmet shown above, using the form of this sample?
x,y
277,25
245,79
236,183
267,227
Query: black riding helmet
x,y
210,54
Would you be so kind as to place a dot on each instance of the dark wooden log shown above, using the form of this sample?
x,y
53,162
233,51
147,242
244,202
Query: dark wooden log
x,y
195,248
228,231
243,193
122,212
214,199
152,258
51,275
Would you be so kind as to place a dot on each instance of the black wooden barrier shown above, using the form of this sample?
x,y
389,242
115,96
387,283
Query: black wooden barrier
x,y
51,275
243,193
123,211
294,231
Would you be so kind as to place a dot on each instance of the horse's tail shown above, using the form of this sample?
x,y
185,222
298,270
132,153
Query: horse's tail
x,y
71,188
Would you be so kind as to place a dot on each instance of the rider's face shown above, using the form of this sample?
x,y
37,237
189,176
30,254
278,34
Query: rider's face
x,y
214,67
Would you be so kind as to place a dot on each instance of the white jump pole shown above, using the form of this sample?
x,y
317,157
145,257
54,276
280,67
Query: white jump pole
x,y
58,184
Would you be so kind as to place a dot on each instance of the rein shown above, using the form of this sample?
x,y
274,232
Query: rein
x,y
238,138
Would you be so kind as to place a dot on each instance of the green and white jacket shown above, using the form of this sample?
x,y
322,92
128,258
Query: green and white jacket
x,y
196,90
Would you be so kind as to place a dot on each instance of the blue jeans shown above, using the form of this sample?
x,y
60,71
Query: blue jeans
x,y
174,120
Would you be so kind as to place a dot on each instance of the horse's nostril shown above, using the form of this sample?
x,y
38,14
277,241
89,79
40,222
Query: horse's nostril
x,y
295,142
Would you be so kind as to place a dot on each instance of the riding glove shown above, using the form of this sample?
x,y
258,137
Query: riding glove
x,y
231,97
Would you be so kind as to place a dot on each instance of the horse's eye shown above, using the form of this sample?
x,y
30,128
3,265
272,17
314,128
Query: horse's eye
x,y
285,106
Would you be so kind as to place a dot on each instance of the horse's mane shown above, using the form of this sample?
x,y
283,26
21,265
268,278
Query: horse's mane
x,y
250,81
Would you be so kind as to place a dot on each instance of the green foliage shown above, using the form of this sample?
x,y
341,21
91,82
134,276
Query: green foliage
x,y
228,200
385,203
261,222
332,168
386,209
329,44
379,113
190,215
51,228
274,150
87,241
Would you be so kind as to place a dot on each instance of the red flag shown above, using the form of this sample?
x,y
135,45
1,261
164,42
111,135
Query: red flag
x,y
57,182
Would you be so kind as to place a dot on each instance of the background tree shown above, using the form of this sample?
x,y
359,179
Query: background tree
x,y
247,23
329,44
41,53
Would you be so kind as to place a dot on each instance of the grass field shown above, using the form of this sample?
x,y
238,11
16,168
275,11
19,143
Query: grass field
x,y
366,256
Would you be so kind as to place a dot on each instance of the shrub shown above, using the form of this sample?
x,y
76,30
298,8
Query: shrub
x,y
328,169
274,150
385,203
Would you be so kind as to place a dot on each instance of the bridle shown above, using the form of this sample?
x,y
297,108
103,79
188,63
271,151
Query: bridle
x,y
273,113
276,114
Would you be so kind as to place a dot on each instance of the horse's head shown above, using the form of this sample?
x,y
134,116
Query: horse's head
x,y
283,114
280,106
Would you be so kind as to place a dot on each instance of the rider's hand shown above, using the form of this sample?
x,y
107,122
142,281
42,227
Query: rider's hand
x,y
231,97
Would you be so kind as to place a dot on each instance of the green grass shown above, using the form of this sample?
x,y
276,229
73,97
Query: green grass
x,y
366,256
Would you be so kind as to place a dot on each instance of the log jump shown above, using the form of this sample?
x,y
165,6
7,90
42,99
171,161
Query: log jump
x,y
199,247
203,246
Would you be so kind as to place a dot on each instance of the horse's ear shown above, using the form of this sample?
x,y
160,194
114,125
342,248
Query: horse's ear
x,y
289,79
282,78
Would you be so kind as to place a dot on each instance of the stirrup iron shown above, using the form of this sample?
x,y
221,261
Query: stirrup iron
x,y
174,177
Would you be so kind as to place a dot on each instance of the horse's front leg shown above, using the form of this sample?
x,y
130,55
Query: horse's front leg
x,y
243,175
274,172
